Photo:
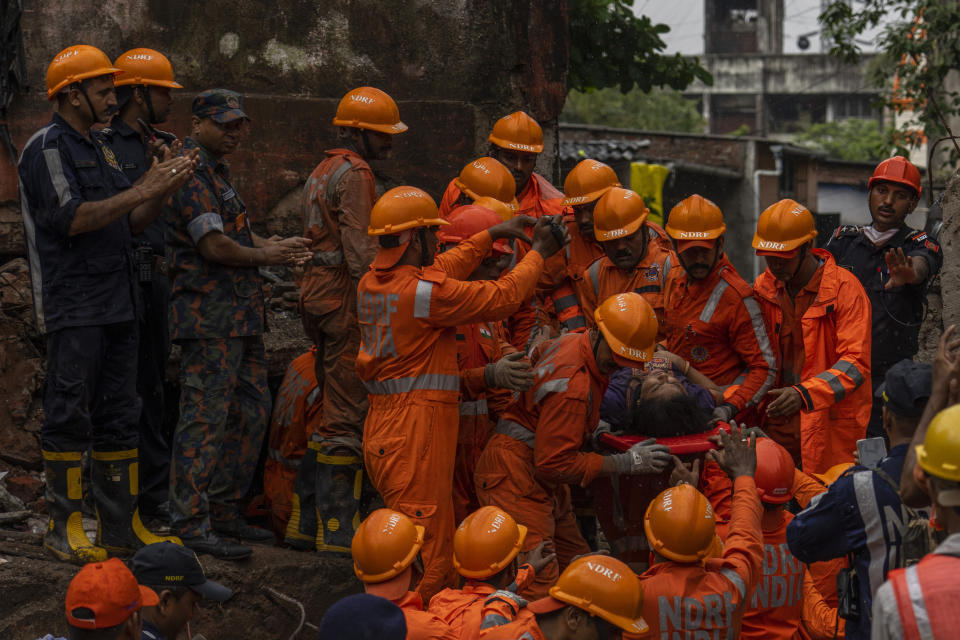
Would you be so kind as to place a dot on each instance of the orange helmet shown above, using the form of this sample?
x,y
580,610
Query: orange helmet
x,y
487,177
385,544
774,474
587,181
680,524
502,209
603,587
695,222
145,66
369,108
619,213
629,325
486,542
830,476
403,208
897,169
77,63
468,221
517,132
783,228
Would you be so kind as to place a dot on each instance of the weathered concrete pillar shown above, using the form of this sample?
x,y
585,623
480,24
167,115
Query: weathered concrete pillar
x,y
943,301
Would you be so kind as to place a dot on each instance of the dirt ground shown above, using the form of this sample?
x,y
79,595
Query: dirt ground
x,y
32,589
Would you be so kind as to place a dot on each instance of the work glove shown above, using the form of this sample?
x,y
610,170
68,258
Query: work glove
x,y
724,412
602,427
509,372
643,457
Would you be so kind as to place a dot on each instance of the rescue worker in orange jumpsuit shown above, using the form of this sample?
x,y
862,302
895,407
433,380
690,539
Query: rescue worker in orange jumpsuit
x,y
490,368
820,317
688,593
584,186
596,597
481,178
337,200
486,551
516,141
710,316
384,549
635,258
409,307
536,449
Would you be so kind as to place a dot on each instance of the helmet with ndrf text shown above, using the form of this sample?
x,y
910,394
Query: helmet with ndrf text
x,y
403,208
486,542
603,587
145,66
369,109
680,524
487,177
898,170
774,473
618,214
783,228
588,182
384,545
695,222
517,132
76,64
629,326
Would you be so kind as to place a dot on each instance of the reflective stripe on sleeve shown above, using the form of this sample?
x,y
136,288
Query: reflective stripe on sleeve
x,y
850,369
425,382
916,601
872,526
474,407
564,303
713,301
421,301
516,431
59,180
738,582
493,620
576,322
594,273
763,341
666,269
839,393
550,386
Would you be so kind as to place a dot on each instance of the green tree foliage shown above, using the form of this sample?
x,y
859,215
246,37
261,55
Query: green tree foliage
x,y
855,139
611,47
919,46
654,111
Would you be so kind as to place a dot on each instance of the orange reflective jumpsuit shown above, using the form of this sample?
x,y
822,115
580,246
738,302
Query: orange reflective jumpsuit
x,y
408,363
717,326
603,279
535,451
478,607
693,600
423,625
477,346
525,627
564,269
336,204
831,349
296,413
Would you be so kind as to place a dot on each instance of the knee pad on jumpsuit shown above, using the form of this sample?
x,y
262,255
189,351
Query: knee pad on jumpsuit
x,y
339,485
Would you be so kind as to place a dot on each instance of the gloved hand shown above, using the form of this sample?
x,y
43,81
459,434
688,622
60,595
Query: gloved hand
x,y
509,372
602,427
643,457
724,412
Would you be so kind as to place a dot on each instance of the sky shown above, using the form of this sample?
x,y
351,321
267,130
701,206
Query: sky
x,y
685,19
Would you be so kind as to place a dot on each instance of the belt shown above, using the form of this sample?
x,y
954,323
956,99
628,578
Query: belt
x,y
516,431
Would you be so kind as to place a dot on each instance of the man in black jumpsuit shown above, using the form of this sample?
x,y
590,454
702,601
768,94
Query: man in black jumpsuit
x,y
894,263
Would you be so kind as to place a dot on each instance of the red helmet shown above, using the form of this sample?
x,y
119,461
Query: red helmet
x,y
469,220
897,169
774,474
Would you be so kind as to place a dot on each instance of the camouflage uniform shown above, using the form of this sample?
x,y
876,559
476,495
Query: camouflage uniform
x,y
217,316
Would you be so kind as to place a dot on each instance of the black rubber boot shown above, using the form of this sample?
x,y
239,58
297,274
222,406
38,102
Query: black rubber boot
x,y
115,490
339,484
65,538
301,531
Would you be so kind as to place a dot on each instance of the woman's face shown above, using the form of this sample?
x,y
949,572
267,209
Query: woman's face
x,y
660,384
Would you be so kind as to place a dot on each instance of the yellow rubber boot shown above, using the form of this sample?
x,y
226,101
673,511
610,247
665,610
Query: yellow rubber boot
x,y
339,484
65,538
302,527
115,491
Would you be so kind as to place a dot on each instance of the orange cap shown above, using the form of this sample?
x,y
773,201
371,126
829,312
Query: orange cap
x,y
502,209
587,181
487,177
145,66
486,542
384,545
76,63
774,474
897,169
105,594
783,228
602,586
369,108
468,221
403,208
517,132
680,524
619,213
695,222
830,476
629,325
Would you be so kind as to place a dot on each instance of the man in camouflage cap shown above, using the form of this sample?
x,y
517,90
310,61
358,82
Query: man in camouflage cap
x,y
217,317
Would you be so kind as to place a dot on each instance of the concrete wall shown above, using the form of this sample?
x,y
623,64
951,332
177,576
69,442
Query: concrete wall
x,y
453,66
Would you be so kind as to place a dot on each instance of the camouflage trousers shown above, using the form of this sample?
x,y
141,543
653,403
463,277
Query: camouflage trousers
x,y
224,411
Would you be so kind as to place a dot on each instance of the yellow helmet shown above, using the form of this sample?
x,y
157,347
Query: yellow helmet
x,y
939,455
